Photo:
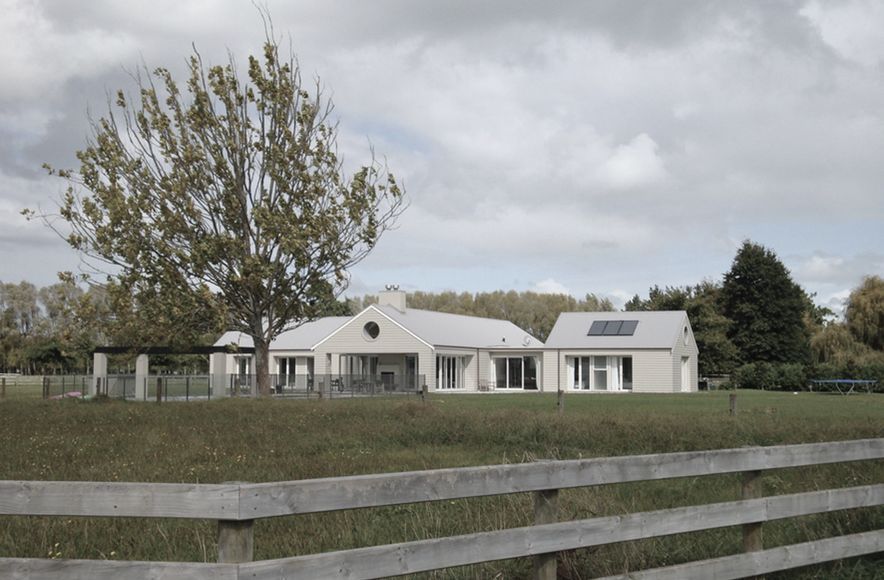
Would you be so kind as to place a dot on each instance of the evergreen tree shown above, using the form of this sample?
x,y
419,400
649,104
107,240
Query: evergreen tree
x,y
766,307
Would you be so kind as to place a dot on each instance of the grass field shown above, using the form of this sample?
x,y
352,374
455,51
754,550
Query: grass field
x,y
269,440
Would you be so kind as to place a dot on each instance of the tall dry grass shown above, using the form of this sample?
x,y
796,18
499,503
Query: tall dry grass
x,y
248,440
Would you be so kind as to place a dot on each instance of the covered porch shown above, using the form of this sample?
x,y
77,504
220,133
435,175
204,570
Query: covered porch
x,y
375,372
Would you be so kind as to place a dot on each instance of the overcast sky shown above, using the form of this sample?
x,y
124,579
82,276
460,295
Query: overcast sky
x,y
599,147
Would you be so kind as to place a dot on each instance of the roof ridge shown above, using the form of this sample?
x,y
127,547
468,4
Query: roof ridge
x,y
453,314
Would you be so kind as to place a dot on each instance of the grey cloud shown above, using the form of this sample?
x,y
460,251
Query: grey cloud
x,y
627,142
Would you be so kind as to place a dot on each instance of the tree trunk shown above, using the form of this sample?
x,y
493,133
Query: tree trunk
x,y
262,366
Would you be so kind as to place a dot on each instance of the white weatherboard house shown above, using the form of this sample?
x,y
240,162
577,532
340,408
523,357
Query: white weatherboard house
x,y
398,347
394,347
642,352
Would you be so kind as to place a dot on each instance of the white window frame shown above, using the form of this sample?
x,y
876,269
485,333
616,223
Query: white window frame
x,y
613,368
445,364
521,358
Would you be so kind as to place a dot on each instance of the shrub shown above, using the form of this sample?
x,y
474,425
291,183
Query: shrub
x,y
768,376
791,376
760,375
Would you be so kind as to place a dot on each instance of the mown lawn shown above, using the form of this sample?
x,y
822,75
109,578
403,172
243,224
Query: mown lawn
x,y
269,440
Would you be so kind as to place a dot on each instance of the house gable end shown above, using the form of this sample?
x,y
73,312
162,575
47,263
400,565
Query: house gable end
x,y
359,317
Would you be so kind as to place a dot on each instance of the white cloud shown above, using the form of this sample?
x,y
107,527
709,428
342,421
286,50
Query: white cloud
x,y
620,297
826,268
551,286
821,267
634,164
851,28
836,301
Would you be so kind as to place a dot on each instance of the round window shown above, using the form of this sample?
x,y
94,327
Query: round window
x,y
371,330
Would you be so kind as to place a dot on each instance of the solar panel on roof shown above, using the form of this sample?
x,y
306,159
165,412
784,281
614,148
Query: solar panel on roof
x,y
613,328
628,328
597,328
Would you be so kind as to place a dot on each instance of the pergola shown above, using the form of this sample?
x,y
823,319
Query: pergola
x,y
217,362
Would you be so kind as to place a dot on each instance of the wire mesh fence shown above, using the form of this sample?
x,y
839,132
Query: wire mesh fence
x,y
172,387
327,386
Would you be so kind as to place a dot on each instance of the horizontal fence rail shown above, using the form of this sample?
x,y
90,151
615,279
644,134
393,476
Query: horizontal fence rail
x,y
426,555
262,500
363,491
764,562
237,505
140,500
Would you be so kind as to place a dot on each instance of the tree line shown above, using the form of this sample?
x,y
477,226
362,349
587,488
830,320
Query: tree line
x,y
55,329
755,324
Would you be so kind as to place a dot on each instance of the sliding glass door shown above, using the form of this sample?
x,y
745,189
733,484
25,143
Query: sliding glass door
x,y
600,373
515,372
450,372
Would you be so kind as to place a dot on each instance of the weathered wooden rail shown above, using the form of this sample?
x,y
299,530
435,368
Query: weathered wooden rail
x,y
237,505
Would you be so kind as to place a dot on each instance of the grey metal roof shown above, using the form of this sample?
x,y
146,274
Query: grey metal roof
x,y
435,328
443,329
300,338
658,329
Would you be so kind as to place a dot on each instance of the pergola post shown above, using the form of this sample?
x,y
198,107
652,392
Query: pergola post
x,y
218,372
99,373
142,368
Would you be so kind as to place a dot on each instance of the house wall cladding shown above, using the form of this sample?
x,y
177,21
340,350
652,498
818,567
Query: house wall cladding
x,y
652,372
550,371
685,349
651,369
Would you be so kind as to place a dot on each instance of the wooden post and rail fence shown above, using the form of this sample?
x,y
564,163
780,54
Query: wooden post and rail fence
x,y
237,505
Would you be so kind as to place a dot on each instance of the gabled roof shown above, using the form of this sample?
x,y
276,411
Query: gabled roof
x,y
443,329
658,329
303,337
434,328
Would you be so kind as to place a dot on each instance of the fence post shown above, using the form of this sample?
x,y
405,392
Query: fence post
x,y
752,539
546,511
159,389
560,402
187,388
98,386
424,391
3,388
45,387
236,539
733,404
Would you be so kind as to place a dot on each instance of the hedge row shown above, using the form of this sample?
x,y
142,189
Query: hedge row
x,y
797,377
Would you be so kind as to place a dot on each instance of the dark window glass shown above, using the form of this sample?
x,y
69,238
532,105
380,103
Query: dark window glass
x,y
371,330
